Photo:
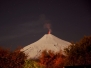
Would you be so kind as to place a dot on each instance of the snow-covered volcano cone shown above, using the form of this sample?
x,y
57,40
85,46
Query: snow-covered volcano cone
x,y
47,42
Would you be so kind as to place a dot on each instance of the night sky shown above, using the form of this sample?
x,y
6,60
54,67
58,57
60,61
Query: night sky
x,y
22,21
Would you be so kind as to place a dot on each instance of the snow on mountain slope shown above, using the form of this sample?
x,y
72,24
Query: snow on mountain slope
x,y
47,42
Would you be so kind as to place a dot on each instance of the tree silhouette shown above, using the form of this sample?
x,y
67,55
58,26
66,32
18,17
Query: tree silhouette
x,y
9,59
79,53
51,60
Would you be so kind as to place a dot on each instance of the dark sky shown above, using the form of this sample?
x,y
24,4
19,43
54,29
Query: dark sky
x,y
22,21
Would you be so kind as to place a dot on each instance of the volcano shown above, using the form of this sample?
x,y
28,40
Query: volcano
x,y
47,42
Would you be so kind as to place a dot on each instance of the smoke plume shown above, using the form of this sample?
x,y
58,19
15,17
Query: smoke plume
x,y
48,26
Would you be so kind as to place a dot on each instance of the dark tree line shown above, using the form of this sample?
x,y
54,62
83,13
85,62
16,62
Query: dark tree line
x,y
11,59
51,60
79,53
